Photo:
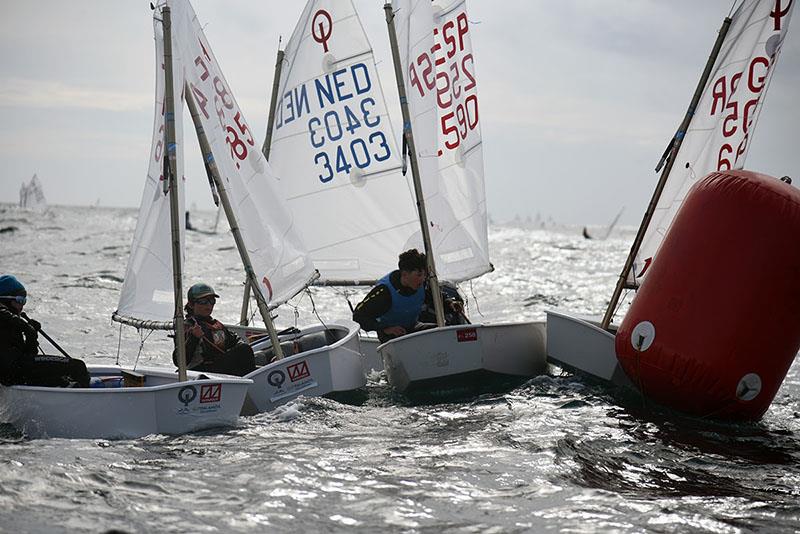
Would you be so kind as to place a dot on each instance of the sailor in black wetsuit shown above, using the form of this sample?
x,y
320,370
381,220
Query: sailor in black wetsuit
x,y
392,307
20,361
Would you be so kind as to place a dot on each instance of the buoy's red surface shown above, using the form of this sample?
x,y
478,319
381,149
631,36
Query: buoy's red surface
x,y
716,323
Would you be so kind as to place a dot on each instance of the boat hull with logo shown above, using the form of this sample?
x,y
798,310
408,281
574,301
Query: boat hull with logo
x,y
452,356
157,404
318,361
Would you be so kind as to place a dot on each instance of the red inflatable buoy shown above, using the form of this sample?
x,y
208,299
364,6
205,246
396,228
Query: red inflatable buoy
x,y
716,323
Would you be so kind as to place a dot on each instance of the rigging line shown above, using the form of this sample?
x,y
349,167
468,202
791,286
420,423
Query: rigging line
x,y
142,340
346,294
119,344
314,309
733,4
477,306
619,303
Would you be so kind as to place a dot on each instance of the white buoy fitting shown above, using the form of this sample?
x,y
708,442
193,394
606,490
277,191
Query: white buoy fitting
x,y
748,387
643,335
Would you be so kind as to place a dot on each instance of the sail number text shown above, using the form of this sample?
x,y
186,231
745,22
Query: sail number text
x,y
220,101
345,126
726,99
448,69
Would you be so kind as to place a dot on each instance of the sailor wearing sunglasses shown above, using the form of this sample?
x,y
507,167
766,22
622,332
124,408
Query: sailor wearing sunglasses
x,y
20,361
209,345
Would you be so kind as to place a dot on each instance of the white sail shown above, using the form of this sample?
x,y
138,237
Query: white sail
x,y
278,256
725,119
439,70
334,149
147,292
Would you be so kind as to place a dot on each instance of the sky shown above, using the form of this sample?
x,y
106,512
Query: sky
x,y
578,98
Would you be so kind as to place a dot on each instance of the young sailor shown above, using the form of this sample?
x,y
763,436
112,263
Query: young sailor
x,y
392,307
209,345
20,362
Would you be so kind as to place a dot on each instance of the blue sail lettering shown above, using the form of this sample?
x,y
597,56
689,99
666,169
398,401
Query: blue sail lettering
x,y
342,85
294,103
363,85
324,91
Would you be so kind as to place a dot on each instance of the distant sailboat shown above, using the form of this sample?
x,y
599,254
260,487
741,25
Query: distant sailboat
x,y
31,195
609,228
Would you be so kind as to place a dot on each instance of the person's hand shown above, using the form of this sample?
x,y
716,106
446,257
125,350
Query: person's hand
x,y
31,339
34,323
196,331
394,330
455,306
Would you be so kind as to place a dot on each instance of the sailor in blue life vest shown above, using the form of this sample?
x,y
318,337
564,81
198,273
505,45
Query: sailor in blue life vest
x,y
209,345
20,361
392,307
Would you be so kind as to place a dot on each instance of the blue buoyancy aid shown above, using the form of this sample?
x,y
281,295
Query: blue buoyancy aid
x,y
405,309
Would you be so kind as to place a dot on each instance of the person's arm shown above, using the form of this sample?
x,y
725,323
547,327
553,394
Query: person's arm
x,y
232,340
13,322
377,302
190,341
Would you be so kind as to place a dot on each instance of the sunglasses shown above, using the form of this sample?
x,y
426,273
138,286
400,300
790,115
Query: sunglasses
x,y
206,301
17,299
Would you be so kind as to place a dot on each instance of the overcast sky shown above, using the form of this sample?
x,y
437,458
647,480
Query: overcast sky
x,y
578,97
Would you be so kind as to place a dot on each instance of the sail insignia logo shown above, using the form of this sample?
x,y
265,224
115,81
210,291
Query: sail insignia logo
x,y
779,12
322,28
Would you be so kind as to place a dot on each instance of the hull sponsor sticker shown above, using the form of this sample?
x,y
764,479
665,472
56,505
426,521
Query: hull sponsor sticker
x,y
467,334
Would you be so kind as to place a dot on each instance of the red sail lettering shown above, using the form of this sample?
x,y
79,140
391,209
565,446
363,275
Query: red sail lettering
x,y
719,95
756,83
724,164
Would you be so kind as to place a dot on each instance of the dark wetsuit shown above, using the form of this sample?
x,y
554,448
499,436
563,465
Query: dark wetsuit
x,y
218,351
20,362
18,345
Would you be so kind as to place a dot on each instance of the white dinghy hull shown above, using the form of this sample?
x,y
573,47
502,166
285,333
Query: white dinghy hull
x,y
578,344
373,363
329,361
163,405
441,358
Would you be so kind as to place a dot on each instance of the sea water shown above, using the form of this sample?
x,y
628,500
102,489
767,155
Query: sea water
x,y
557,453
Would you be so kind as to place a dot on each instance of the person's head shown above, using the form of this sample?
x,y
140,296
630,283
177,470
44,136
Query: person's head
x,y
12,292
413,267
201,300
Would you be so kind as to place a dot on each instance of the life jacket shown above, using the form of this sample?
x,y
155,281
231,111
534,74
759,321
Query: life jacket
x,y
213,331
405,309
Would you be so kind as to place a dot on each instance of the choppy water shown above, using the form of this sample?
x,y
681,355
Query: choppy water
x,y
555,454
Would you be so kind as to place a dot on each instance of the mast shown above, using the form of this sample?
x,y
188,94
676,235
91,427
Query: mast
x,y
408,135
171,181
265,148
273,103
669,155
211,166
